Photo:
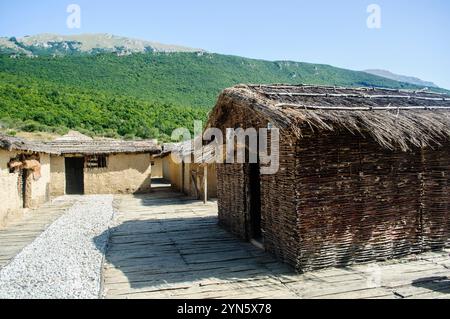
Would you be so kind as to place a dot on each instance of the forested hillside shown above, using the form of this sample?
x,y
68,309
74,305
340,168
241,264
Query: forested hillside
x,y
37,105
141,95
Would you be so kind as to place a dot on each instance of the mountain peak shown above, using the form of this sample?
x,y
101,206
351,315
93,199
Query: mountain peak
x,y
401,78
51,44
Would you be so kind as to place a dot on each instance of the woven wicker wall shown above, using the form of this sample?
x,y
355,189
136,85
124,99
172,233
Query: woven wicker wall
x,y
278,206
360,203
232,179
277,192
436,198
231,199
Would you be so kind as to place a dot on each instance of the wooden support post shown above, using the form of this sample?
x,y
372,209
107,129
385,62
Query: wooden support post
x,y
182,176
205,183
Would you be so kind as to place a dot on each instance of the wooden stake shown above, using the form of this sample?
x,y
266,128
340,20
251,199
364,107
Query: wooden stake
x,y
182,176
205,184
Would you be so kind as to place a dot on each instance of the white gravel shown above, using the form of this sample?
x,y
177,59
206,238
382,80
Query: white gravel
x,y
65,261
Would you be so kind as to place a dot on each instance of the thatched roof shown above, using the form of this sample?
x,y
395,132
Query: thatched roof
x,y
11,143
74,136
106,146
184,149
396,119
76,143
81,146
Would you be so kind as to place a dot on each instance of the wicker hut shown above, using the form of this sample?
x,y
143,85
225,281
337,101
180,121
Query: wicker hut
x,y
364,173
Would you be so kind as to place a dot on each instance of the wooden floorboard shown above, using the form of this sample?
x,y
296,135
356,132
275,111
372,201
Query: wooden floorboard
x,y
164,245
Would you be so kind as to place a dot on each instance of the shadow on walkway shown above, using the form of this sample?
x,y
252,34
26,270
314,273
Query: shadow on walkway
x,y
154,252
437,284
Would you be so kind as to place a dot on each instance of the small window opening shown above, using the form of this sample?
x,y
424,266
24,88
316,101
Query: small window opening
x,y
97,161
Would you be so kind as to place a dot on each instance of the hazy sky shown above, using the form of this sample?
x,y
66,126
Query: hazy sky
x,y
413,39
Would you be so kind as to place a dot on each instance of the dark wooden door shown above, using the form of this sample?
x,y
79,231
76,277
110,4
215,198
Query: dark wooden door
x,y
75,176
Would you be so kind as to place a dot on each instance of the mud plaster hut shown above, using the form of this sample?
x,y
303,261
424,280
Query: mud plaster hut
x,y
197,169
24,176
364,173
105,166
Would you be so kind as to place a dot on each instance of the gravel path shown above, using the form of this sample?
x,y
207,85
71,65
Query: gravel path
x,y
65,261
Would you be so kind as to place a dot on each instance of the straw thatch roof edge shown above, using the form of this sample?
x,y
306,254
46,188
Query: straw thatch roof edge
x,y
97,147
396,119
206,154
82,147
11,143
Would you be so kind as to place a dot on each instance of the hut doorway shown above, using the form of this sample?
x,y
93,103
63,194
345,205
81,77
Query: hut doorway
x,y
254,202
74,175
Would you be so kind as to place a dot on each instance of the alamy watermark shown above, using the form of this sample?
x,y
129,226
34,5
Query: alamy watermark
x,y
74,19
374,19
374,276
241,146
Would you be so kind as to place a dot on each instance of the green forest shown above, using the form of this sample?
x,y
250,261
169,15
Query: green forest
x,y
143,95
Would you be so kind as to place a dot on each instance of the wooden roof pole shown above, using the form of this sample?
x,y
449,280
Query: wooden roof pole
x,y
205,184
183,168
361,108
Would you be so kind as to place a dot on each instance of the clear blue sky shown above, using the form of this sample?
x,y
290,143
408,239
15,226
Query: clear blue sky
x,y
414,38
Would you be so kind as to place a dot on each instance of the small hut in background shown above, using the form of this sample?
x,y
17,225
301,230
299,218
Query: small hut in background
x,y
103,166
364,173
194,172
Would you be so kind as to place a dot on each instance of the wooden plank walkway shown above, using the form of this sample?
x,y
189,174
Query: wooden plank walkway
x,y
22,232
164,245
